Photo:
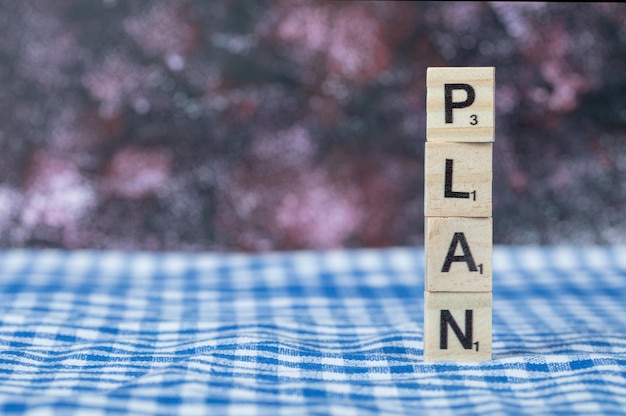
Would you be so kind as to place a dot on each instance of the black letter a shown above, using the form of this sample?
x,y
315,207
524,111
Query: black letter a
x,y
465,338
466,257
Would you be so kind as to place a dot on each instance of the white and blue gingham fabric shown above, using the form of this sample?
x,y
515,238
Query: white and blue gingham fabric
x,y
306,333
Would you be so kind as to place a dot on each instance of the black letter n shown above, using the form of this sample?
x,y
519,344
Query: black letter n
x,y
465,338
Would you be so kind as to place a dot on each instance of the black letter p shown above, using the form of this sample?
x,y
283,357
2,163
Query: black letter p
x,y
461,104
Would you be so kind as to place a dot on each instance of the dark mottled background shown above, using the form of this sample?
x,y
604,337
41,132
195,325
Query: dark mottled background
x,y
259,125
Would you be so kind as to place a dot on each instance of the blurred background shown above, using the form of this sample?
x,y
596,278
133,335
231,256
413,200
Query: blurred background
x,y
280,125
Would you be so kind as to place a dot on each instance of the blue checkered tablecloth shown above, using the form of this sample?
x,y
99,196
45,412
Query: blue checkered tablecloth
x,y
302,333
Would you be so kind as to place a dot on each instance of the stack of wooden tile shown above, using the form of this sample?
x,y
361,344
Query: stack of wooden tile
x,y
458,213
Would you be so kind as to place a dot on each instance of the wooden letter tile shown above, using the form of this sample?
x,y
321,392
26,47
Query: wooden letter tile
x,y
460,104
458,254
457,326
458,179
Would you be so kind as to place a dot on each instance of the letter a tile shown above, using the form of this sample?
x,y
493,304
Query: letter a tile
x,y
458,254
457,326
460,104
